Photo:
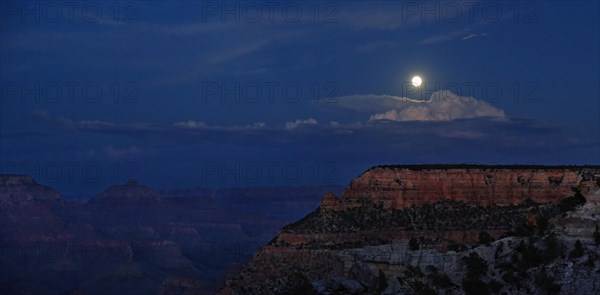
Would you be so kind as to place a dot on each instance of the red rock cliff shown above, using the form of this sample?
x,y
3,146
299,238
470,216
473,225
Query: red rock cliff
x,y
404,186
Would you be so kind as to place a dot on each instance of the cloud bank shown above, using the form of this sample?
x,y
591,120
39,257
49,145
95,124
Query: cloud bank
x,y
441,106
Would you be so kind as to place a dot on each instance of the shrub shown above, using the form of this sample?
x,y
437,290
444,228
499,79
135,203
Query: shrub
x,y
521,247
476,266
546,283
532,256
382,282
475,286
453,246
542,224
413,244
495,286
524,230
511,278
413,272
298,284
485,238
440,280
421,289
553,249
577,251
499,250
590,262
570,203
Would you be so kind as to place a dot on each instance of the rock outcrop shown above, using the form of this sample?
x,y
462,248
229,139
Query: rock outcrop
x,y
130,192
128,240
403,186
20,189
392,219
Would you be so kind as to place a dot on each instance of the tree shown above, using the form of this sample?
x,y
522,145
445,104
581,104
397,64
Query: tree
x,y
476,266
542,224
495,286
499,250
440,280
382,282
298,284
553,249
485,238
570,203
546,283
532,256
511,278
475,286
413,244
577,251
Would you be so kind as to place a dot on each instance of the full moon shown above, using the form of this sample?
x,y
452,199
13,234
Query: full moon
x,y
416,81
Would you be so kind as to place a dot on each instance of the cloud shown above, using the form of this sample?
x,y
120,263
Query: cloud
x,y
43,115
295,124
190,124
444,37
441,106
472,36
471,138
463,35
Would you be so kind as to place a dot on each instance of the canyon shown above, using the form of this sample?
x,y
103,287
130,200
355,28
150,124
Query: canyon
x,y
398,229
395,229
133,239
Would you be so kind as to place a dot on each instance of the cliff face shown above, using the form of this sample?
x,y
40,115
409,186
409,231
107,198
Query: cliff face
x,y
21,189
127,239
350,245
404,186
130,192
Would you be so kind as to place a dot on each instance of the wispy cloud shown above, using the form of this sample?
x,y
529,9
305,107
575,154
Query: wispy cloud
x,y
294,124
441,106
473,36
441,38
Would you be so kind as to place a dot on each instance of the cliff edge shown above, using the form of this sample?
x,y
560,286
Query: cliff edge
x,y
402,229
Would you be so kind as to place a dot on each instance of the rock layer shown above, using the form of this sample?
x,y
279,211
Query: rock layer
x,y
438,207
404,186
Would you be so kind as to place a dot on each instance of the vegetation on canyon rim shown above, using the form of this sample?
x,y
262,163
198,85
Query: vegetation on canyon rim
x,y
537,250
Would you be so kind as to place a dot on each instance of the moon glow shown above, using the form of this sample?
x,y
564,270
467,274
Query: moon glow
x,y
417,81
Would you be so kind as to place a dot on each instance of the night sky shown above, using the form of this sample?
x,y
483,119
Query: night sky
x,y
211,93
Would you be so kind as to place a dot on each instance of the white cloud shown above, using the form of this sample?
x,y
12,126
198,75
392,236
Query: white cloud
x,y
61,121
190,124
471,36
295,124
445,37
441,106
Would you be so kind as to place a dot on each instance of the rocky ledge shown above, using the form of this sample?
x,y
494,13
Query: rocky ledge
x,y
402,186
439,229
22,189
130,192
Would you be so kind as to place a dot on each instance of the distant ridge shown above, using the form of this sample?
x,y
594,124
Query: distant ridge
x,y
417,167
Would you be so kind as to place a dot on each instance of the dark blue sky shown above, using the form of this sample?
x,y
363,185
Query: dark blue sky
x,y
212,93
